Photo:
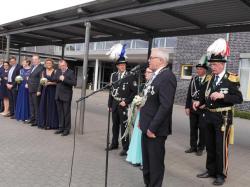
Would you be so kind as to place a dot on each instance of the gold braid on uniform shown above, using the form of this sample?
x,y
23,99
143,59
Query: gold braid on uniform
x,y
233,77
230,133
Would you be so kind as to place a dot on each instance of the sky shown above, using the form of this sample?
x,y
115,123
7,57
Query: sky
x,y
12,10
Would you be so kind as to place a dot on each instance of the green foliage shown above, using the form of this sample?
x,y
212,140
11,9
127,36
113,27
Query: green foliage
x,y
242,114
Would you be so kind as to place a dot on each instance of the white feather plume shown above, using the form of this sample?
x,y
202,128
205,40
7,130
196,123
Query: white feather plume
x,y
218,47
203,60
115,51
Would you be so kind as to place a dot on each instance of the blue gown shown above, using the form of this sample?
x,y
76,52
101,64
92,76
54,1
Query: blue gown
x,y
134,153
48,116
22,111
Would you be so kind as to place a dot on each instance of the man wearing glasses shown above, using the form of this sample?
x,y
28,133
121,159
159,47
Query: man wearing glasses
x,y
156,118
219,95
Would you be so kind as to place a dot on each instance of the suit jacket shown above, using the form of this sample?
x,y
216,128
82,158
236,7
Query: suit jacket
x,y
34,79
64,89
156,114
1,70
15,73
126,89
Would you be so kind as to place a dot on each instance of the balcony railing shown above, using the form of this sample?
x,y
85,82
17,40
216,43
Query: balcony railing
x,y
131,44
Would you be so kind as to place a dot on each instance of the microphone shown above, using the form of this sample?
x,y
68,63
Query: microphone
x,y
139,67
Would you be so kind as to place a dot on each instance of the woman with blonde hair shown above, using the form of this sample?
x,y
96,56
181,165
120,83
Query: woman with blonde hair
x,y
22,111
48,116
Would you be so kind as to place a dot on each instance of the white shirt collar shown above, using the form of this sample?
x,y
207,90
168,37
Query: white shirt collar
x,y
158,71
202,78
13,66
122,74
220,76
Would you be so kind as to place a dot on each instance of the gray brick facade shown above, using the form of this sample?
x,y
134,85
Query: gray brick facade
x,y
190,49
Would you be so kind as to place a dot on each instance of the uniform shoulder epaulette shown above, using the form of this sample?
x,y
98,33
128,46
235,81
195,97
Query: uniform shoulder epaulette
x,y
233,77
208,78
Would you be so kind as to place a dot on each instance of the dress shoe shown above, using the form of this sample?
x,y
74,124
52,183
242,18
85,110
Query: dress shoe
x,y
47,128
136,165
65,133
219,181
204,175
123,153
112,147
27,121
191,150
33,125
7,115
59,132
199,152
12,117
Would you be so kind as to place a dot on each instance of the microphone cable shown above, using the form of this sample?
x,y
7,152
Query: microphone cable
x,y
74,147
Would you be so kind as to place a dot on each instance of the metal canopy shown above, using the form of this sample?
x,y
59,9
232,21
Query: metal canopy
x,y
129,19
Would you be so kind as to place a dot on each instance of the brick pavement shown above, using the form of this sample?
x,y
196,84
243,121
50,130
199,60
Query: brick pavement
x,y
31,157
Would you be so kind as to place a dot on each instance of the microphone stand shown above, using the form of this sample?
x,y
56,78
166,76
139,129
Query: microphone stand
x,y
108,86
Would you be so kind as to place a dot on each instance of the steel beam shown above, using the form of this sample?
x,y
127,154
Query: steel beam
x,y
63,50
85,68
246,2
111,14
184,18
7,48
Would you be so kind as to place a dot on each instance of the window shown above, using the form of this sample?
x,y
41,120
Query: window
x,y
140,44
245,78
70,47
79,47
186,71
100,45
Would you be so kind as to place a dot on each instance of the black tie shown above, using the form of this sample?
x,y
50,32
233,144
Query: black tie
x,y
199,81
215,81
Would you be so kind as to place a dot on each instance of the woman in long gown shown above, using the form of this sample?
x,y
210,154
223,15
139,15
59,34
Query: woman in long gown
x,y
22,112
134,153
48,116
3,89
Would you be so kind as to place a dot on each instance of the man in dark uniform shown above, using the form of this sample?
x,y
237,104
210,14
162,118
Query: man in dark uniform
x,y
219,96
156,118
121,96
197,137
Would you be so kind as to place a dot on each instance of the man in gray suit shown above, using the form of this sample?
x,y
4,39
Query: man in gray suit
x,y
33,84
